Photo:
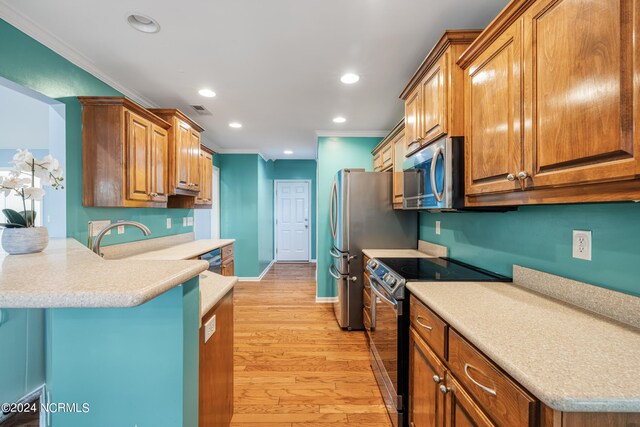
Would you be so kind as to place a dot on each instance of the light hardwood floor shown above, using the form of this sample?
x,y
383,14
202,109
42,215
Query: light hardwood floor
x,y
293,365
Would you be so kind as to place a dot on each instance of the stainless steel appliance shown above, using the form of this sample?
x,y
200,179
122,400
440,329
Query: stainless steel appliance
x,y
214,258
434,177
361,217
389,311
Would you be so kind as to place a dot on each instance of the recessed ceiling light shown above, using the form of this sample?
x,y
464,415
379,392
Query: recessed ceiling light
x,y
207,93
143,23
339,120
235,125
288,152
349,78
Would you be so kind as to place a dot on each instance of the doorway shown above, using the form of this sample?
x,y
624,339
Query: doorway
x,y
292,212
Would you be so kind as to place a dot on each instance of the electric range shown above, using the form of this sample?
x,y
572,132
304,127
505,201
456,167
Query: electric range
x,y
389,313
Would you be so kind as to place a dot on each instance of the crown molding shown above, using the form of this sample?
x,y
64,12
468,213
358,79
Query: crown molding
x,y
35,31
357,133
243,151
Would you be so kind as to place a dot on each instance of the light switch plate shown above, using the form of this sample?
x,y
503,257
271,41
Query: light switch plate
x,y
97,226
582,244
121,229
190,221
438,228
184,221
168,223
209,328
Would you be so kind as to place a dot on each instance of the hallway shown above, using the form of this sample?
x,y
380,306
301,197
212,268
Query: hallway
x,y
293,365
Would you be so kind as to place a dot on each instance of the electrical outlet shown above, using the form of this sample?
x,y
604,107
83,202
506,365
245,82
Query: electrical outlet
x,y
121,229
168,223
190,221
209,328
184,221
96,227
438,228
582,244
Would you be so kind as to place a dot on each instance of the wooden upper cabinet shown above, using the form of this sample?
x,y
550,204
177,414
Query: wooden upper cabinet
x,y
433,97
184,155
579,93
493,116
398,175
204,199
434,101
412,128
124,154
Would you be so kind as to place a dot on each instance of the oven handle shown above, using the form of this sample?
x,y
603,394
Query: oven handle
x,y
434,187
374,289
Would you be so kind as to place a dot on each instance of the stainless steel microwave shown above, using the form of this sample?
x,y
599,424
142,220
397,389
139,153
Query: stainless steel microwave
x,y
434,177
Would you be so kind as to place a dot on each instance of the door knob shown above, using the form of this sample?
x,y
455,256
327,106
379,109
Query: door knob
x,y
523,175
511,177
444,389
436,379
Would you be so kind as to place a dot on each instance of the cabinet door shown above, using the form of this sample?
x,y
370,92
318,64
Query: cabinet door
x,y
138,140
426,374
208,170
434,101
194,160
377,162
462,411
398,182
158,164
493,101
412,121
579,64
183,155
227,268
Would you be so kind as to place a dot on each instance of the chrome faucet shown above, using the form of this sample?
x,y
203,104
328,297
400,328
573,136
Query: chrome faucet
x,y
96,243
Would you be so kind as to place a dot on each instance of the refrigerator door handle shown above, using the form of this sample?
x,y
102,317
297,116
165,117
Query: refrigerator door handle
x,y
334,273
334,253
332,220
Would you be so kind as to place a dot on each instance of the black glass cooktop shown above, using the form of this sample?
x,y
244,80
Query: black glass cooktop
x,y
439,269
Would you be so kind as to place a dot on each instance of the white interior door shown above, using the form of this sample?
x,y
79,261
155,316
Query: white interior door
x,y
215,197
292,221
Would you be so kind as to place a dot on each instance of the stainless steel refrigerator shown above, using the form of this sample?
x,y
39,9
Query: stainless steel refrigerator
x,y
361,216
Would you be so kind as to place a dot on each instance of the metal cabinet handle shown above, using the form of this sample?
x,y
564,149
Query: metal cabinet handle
x,y
511,177
483,387
434,187
444,389
523,175
415,141
427,327
436,379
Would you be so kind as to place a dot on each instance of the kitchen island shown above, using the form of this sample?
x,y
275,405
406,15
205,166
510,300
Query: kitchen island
x,y
121,335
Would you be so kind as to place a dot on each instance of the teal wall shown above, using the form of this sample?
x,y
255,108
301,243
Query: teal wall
x,y
335,154
239,209
301,169
540,237
265,213
30,64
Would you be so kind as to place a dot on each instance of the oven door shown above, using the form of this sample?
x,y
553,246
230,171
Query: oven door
x,y
385,320
425,183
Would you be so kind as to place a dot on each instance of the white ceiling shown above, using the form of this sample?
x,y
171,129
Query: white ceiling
x,y
274,64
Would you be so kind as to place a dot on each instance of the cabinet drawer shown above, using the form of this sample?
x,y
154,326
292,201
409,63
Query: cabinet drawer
x,y
226,252
430,327
503,400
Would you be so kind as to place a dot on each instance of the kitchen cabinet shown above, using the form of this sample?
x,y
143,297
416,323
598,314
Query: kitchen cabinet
x,y
215,404
227,267
398,175
124,154
426,402
388,156
205,196
383,156
433,97
366,294
184,158
562,124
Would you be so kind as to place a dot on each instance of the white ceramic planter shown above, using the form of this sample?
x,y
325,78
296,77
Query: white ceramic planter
x,y
30,240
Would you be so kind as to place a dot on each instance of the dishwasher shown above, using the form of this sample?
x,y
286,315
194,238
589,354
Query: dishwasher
x,y
214,258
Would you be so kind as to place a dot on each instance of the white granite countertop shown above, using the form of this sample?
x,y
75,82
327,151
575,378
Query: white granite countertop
x,y
67,274
212,288
570,359
185,250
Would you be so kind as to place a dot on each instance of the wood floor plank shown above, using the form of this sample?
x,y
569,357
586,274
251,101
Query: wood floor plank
x,y
294,365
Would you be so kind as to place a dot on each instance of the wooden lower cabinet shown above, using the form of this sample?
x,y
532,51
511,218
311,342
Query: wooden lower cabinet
x,y
227,267
426,402
460,409
215,404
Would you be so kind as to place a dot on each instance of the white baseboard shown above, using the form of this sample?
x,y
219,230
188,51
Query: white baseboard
x,y
326,300
313,261
259,278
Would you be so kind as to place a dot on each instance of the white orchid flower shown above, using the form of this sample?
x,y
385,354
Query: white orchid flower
x,y
23,160
33,193
48,163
